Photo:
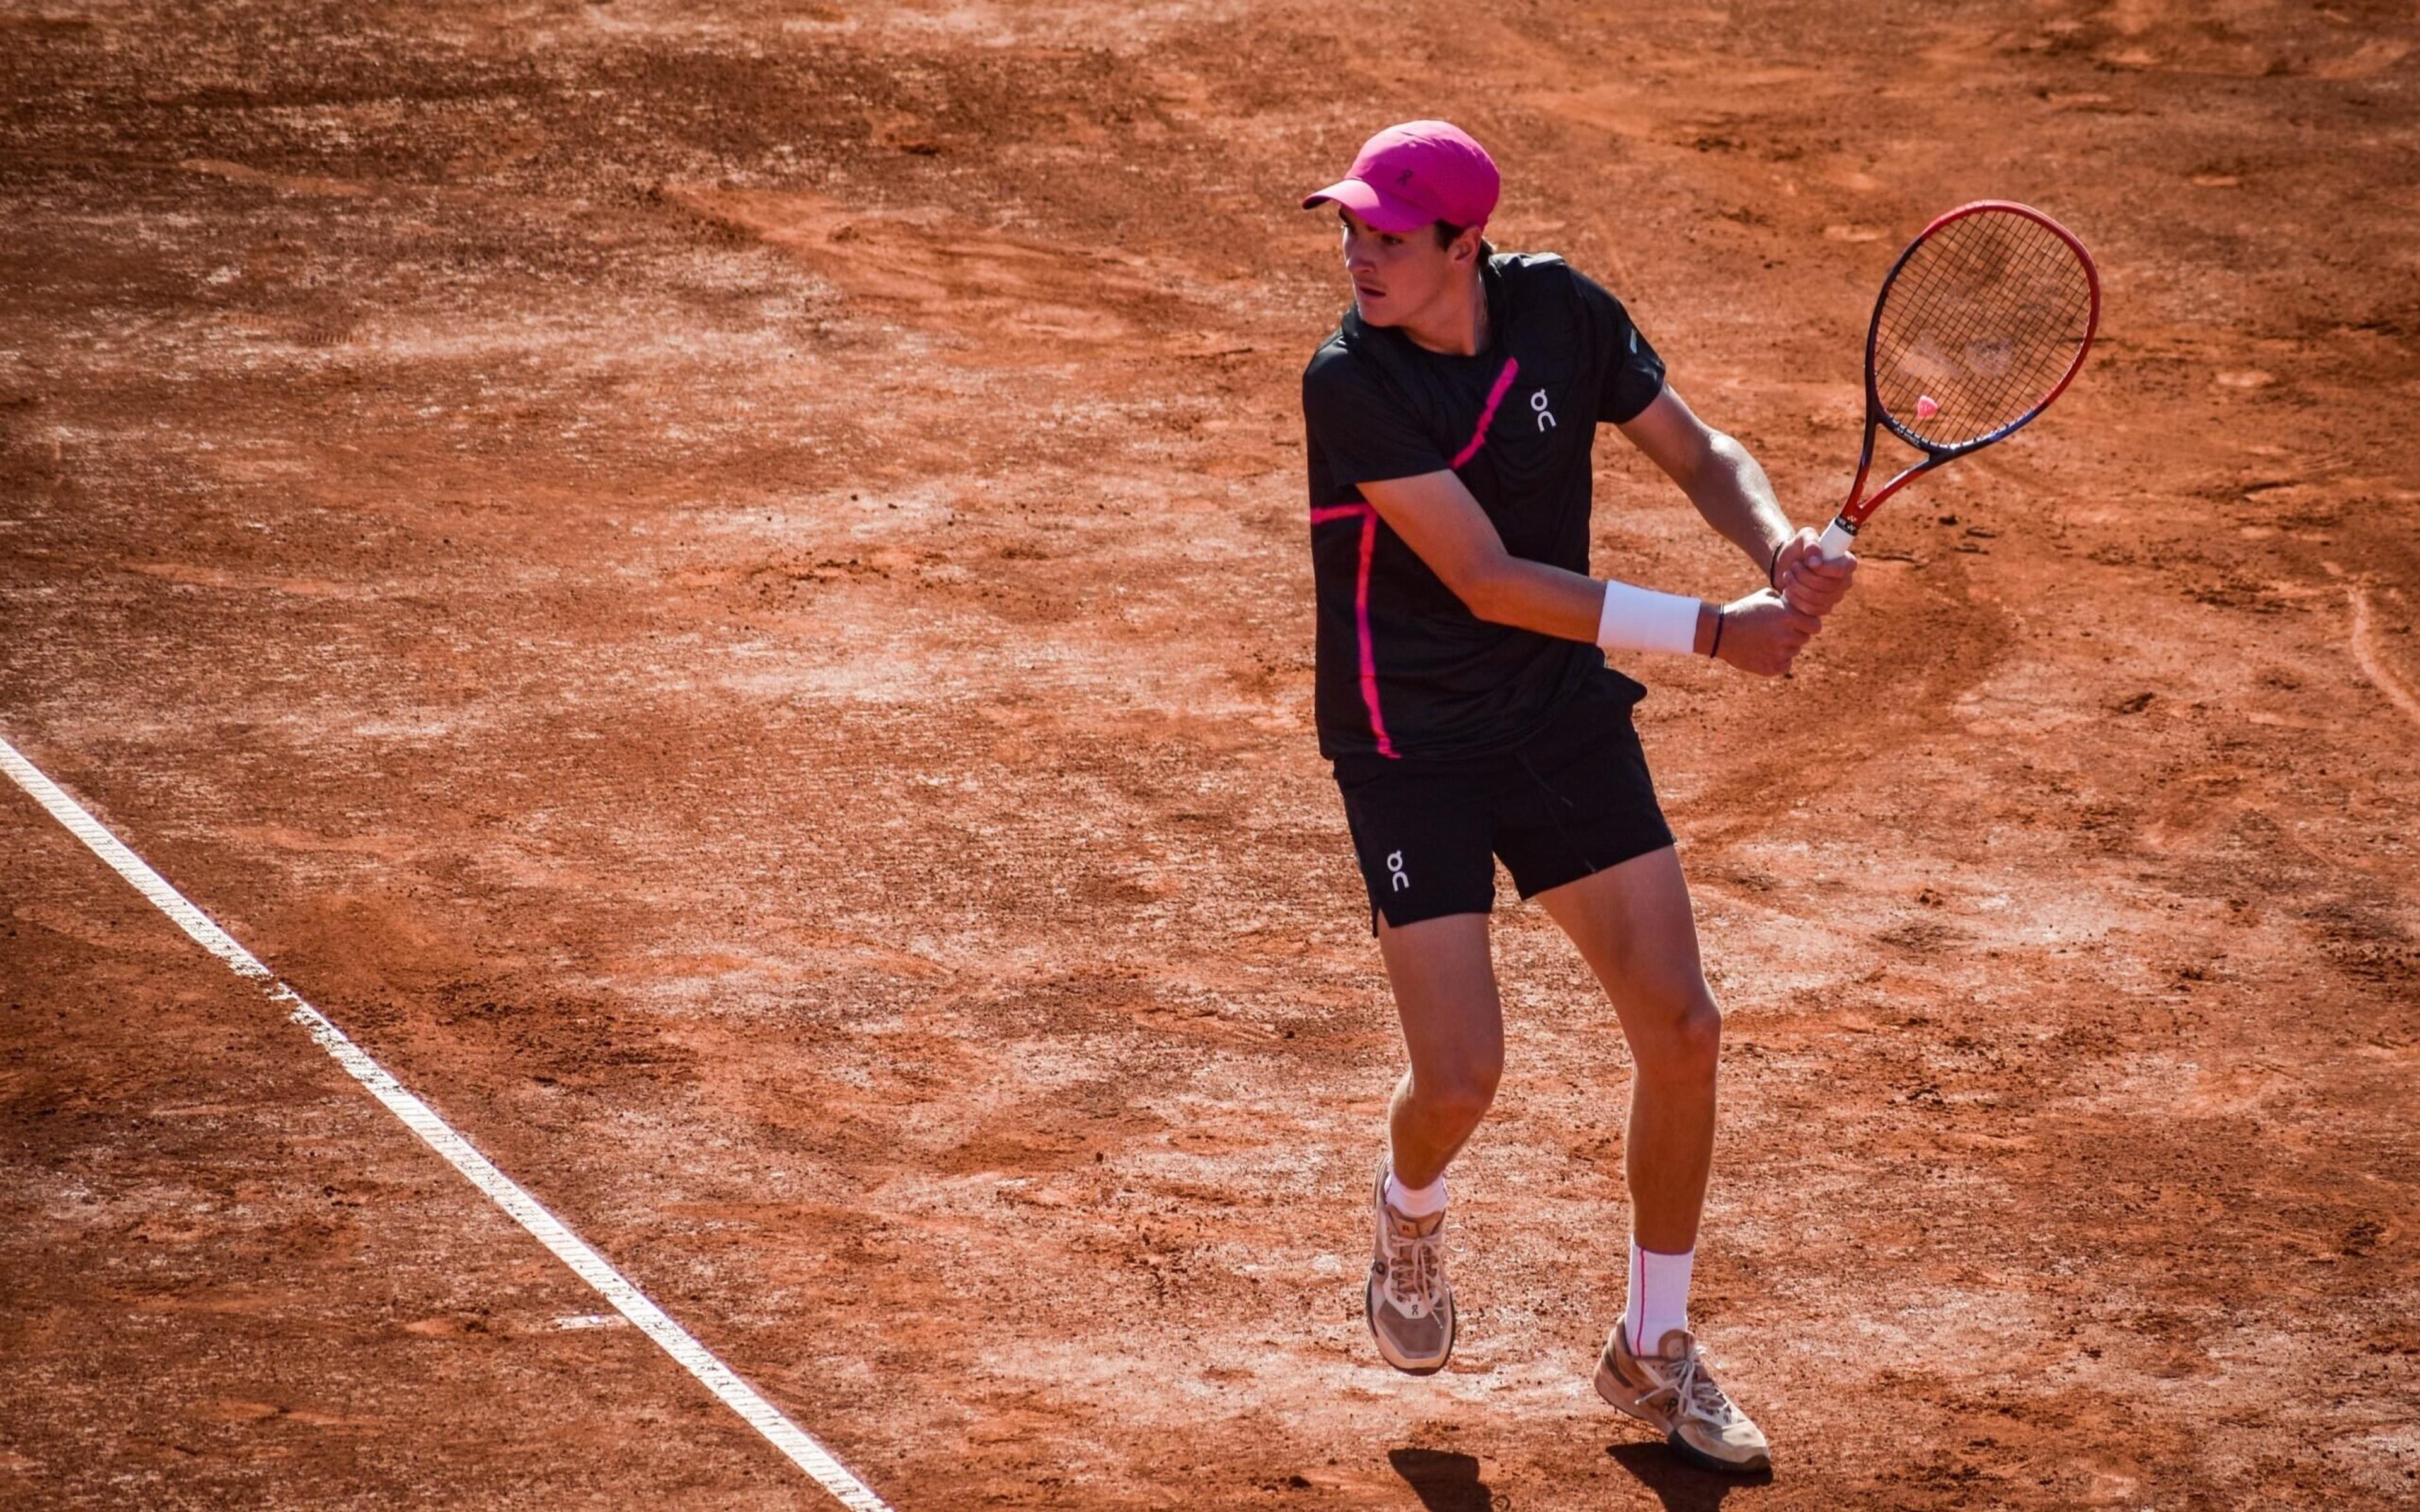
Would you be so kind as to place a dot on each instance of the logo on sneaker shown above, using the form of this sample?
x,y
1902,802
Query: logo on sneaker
x,y
1395,871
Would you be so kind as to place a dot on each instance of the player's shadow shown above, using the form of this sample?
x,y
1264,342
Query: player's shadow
x,y
1444,1482
1679,1485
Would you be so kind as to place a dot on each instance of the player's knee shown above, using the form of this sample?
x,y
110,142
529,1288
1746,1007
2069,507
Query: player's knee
x,y
1702,1032
1683,1037
1463,1095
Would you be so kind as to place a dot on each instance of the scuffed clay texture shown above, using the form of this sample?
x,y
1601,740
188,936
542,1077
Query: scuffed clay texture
x,y
725,588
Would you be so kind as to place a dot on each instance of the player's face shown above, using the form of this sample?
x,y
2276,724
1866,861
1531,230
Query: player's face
x,y
1395,277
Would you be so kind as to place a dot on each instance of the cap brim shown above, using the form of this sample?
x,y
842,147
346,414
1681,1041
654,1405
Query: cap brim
x,y
1382,212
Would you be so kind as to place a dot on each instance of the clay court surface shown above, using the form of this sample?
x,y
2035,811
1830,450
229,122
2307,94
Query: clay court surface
x,y
726,589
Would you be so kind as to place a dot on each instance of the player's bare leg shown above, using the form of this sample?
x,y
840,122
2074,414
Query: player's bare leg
x,y
1444,979
1633,925
1454,1029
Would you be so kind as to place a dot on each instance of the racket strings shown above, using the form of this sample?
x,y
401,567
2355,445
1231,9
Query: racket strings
x,y
1981,322
1975,324
1973,317
1978,330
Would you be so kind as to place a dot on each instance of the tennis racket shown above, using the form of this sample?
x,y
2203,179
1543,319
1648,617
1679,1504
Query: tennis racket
x,y
1984,320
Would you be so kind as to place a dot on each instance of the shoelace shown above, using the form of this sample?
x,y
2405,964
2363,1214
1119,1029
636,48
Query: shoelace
x,y
1691,1389
1413,1269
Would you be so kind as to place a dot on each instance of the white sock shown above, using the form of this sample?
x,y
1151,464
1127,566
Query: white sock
x,y
1415,1201
1659,1297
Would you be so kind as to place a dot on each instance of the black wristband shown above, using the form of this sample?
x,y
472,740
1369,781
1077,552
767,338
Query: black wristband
x,y
1716,649
1773,563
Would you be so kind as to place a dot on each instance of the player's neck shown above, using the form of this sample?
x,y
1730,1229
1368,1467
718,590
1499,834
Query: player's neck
x,y
1457,326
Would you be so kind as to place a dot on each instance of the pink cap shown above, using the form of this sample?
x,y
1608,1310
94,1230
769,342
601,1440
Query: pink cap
x,y
1410,174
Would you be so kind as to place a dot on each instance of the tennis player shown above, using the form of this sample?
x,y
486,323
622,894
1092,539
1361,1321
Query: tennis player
x,y
1464,700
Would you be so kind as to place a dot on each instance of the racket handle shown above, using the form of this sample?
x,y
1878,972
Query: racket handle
x,y
1834,543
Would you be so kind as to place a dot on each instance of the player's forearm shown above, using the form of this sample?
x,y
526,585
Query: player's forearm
x,y
1436,516
1735,497
1531,595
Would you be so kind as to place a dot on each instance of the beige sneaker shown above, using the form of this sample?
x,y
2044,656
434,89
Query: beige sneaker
x,y
1410,1306
1674,1390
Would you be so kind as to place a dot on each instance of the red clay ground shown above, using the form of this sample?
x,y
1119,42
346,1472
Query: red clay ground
x,y
725,587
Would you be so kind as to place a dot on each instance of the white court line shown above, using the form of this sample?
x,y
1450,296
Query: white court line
x,y
501,1189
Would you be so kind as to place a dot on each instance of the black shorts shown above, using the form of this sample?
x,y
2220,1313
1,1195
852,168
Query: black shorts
x,y
1571,801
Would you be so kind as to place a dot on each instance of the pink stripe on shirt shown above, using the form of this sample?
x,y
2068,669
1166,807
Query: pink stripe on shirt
x,y
1369,518
1369,650
1487,415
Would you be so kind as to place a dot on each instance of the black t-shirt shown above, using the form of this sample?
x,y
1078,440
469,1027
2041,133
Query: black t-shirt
x,y
1405,669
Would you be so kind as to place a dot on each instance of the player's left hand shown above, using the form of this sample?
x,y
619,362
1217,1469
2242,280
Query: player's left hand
x,y
1811,583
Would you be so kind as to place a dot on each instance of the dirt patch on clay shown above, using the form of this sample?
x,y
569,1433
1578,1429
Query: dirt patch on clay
x,y
725,587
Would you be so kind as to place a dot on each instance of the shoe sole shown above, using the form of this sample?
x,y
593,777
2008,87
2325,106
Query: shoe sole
x,y
1619,1396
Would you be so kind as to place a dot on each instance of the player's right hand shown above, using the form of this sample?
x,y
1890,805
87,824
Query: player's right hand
x,y
1810,580
1764,635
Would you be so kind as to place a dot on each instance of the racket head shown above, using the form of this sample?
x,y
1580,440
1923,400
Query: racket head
x,y
1985,318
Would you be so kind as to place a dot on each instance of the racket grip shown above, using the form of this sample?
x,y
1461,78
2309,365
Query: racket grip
x,y
1834,543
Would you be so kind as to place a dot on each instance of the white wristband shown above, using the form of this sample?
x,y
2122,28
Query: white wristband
x,y
1641,619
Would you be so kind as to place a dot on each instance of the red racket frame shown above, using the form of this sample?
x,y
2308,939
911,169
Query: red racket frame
x,y
1857,512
